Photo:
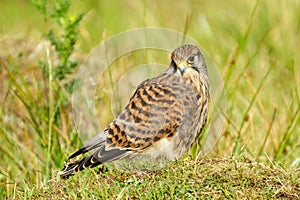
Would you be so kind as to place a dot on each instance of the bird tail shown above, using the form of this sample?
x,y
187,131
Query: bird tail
x,y
101,155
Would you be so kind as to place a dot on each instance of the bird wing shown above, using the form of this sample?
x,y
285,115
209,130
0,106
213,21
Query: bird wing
x,y
154,112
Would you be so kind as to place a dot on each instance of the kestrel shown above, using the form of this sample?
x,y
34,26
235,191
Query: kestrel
x,y
162,120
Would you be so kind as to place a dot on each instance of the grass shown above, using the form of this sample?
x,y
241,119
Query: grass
x,y
256,47
217,178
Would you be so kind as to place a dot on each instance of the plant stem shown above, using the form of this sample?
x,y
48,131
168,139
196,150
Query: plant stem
x,y
50,77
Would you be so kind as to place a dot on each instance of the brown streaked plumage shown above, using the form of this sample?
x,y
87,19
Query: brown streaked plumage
x,y
162,120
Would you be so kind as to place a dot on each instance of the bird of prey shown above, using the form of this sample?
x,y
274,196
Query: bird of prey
x,y
162,120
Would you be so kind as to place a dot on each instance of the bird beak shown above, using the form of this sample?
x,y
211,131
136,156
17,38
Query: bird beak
x,y
182,66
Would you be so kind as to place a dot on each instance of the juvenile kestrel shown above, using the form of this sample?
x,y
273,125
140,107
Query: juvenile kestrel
x,y
162,120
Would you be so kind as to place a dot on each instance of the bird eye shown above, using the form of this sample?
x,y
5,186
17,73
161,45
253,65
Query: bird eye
x,y
191,59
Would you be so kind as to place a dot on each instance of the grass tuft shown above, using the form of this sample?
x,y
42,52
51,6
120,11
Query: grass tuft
x,y
233,178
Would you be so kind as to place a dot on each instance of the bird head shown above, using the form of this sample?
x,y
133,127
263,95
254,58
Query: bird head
x,y
188,59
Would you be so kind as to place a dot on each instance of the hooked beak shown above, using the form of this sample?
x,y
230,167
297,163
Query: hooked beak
x,y
181,67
